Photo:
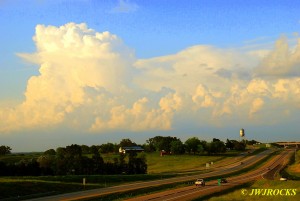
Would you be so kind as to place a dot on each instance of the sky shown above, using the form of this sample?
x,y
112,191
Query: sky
x,y
94,71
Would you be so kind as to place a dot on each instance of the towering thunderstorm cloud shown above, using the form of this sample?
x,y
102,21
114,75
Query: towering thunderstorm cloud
x,y
93,82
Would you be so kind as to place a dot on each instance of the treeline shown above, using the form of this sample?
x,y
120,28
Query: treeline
x,y
193,145
71,161
87,160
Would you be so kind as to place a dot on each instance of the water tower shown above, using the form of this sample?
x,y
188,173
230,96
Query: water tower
x,y
242,134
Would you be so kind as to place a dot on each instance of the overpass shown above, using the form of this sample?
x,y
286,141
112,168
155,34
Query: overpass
x,y
285,144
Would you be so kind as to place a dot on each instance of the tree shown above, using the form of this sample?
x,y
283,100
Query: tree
x,y
136,164
148,147
229,144
27,168
203,143
85,149
236,145
141,164
157,143
73,150
192,144
50,152
122,166
252,142
46,163
216,147
131,163
97,161
200,148
161,143
216,140
4,150
239,146
221,148
127,143
73,158
4,171
60,152
177,147
107,148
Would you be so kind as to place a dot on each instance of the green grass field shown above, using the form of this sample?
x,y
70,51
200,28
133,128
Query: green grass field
x,y
239,193
13,158
22,188
179,163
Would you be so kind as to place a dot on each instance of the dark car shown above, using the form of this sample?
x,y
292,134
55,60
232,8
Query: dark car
x,y
223,180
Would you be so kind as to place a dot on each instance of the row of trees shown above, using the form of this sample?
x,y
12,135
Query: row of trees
x,y
171,144
70,160
158,143
83,159
192,145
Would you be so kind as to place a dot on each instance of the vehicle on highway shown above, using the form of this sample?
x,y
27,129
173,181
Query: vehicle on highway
x,y
283,179
223,180
200,182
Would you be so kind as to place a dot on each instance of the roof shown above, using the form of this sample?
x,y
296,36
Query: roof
x,y
133,148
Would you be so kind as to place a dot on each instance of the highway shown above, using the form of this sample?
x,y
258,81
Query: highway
x,y
137,185
192,192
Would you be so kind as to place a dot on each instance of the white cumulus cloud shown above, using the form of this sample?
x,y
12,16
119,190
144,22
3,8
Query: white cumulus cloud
x,y
93,82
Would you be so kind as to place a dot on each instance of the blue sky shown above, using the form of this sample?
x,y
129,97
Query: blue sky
x,y
184,68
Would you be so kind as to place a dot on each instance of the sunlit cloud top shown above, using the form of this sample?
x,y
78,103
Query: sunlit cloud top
x,y
94,82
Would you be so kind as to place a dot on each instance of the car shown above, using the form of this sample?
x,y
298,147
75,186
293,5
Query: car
x,y
223,180
283,179
200,182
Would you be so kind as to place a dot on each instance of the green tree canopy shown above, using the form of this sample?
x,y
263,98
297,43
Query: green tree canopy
x,y
50,152
5,150
177,147
126,143
107,148
162,142
192,144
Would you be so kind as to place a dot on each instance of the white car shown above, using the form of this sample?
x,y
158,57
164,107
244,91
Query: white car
x,y
200,182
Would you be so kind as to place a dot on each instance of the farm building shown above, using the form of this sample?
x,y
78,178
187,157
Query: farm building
x,y
130,149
